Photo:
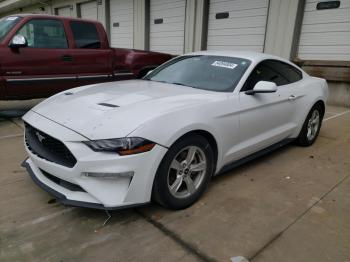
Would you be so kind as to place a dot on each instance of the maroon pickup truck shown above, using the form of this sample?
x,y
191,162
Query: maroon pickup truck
x,y
41,55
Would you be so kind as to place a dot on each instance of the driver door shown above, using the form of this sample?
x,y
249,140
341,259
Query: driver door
x,y
42,68
265,118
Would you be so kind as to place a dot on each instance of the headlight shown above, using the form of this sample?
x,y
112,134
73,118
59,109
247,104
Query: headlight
x,y
122,146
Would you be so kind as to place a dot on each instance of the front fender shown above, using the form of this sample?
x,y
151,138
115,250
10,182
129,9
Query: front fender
x,y
165,130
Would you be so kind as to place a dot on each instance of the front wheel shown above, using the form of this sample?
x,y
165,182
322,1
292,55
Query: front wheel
x,y
311,126
184,173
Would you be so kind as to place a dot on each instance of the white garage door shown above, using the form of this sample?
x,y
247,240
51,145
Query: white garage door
x,y
64,11
88,10
122,23
325,34
237,25
167,26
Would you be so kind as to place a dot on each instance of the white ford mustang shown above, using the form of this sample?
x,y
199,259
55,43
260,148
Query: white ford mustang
x,y
121,144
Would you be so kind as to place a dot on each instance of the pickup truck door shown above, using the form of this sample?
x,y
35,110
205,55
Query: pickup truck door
x,y
91,56
42,68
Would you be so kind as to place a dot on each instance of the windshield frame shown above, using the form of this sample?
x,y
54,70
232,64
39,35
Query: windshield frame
x,y
10,26
180,58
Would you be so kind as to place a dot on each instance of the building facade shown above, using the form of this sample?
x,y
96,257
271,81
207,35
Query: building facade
x,y
314,34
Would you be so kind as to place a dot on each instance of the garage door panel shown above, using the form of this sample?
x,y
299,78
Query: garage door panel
x,y
312,6
227,6
174,40
124,17
122,23
64,11
168,34
244,22
243,13
328,16
236,41
327,57
124,41
89,10
326,38
167,5
326,49
243,29
168,49
237,31
179,20
325,34
123,30
174,12
167,26
332,27
237,47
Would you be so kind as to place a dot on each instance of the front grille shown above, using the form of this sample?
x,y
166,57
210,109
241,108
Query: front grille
x,y
47,147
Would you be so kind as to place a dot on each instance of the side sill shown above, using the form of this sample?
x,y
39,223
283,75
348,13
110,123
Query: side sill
x,y
255,155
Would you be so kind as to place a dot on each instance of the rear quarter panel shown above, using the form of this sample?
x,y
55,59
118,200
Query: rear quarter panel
x,y
311,90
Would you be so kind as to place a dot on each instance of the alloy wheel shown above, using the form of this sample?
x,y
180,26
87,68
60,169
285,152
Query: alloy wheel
x,y
187,172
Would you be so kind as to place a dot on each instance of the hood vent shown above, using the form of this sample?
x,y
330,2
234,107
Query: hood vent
x,y
108,105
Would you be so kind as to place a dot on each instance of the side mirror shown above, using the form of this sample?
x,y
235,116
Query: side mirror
x,y
18,41
263,87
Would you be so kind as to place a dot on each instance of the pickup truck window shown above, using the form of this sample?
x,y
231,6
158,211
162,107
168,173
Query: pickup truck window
x,y
6,24
85,35
44,33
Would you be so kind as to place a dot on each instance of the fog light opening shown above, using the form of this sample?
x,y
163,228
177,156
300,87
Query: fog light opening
x,y
127,174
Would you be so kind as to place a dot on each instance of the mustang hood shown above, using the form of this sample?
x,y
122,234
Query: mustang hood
x,y
115,109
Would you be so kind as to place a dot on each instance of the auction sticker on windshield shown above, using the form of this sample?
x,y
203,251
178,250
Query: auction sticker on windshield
x,y
224,64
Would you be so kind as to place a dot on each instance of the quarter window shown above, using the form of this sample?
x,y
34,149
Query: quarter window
x,y
291,73
44,33
274,71
85,35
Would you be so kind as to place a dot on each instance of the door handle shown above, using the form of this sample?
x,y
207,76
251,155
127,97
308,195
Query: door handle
x,y
67,58
292,97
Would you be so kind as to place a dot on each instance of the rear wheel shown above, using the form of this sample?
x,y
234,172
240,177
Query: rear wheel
x,y
311,126
184,173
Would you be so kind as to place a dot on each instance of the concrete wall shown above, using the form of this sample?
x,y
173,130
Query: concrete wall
x,y
339,93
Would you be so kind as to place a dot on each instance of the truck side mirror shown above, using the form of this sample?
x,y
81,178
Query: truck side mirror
x,y
18,41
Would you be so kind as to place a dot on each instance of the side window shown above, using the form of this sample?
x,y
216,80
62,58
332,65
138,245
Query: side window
x,y
291,73
44,33
85,35
264,72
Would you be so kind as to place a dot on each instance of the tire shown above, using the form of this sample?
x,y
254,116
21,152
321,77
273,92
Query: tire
x,y
172,186
311,126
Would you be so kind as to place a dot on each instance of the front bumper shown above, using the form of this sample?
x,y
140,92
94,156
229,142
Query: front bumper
x,y
72,186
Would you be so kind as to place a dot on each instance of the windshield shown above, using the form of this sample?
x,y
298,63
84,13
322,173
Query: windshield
x,y
214,73
6,24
